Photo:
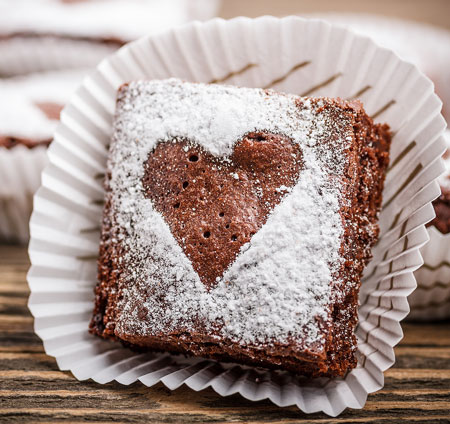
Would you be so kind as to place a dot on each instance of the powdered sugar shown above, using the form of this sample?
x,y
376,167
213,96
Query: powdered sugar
x,y
20,96
278,288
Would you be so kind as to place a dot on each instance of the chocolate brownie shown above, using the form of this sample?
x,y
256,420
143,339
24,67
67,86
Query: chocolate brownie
x,y
30,106
41,35
112,22
442,203
237,224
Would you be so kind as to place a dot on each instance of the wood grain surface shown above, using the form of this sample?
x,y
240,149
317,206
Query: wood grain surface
x,y
32,389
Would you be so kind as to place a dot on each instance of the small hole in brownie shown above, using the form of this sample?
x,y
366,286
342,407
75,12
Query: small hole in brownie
x,y
234,237
257,137
221,214
193,158
206,234
203,170
227,226
185,184
176,205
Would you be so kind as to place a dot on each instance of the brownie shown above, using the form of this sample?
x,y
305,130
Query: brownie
x,y
114,43
30,106
237,224
442,203
101,25
41,35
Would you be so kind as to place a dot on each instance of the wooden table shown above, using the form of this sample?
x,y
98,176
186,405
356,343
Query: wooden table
x,y
32,389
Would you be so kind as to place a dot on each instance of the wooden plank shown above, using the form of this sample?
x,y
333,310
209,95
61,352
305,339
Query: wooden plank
x,y
13,254
13,283
23,348
13,300
438,360
32,389
426,334
384,413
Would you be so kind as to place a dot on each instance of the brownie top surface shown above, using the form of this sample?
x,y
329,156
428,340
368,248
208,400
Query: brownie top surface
x,y
279,286
214,207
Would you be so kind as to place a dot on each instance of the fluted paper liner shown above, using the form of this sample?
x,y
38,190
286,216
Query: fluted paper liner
x,y
298,56
409,39
431,300
20,176
24,55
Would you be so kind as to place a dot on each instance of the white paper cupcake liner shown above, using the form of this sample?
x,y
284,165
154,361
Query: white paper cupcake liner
x,y
23,55
290,54
410,40
20,176
431,300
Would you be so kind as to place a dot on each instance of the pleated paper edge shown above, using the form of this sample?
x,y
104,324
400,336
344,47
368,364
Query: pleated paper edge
x,y
431,299
20,174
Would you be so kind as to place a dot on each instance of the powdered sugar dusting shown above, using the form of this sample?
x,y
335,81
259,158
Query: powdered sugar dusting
x,y
278,288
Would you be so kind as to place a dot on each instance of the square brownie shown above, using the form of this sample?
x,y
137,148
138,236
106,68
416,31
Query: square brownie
x,y
237,224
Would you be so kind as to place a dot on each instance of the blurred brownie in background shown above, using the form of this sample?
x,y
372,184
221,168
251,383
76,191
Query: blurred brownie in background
x,y
442,203
38,35
30,106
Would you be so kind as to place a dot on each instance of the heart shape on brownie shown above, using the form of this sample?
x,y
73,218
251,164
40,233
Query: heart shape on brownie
x,y
214,205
